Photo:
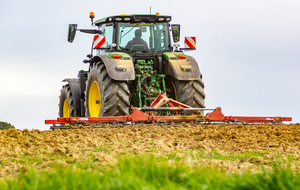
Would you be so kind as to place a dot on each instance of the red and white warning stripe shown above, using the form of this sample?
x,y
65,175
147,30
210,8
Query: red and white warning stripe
x,y
190,42
99,42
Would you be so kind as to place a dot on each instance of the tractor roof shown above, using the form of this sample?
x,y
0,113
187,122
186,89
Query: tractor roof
x,y
134,18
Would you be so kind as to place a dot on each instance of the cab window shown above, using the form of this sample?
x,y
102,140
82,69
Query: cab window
x,y
155,36
108,31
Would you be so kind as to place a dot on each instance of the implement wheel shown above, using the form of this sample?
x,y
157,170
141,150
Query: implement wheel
x,y
66,102
105,96
188,92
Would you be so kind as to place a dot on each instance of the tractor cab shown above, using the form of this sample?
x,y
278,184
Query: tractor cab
x,y
136,33
131,34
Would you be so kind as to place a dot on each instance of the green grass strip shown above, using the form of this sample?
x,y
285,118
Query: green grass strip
x,y
149,172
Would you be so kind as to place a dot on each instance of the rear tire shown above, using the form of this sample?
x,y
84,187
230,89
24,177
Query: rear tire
x,y
105,96
188,92
66,102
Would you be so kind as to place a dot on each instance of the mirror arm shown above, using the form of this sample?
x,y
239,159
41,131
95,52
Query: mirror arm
x,y
90,31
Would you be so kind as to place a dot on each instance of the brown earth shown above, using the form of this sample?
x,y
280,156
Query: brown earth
x,y
213,145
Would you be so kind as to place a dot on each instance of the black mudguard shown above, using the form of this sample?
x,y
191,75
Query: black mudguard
x,y
75,89
117,69
182,69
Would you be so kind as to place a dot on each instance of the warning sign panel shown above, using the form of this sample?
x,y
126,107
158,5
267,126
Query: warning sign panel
x,y
99,42
190,42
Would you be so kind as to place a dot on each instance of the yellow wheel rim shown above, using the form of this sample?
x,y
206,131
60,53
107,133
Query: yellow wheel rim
x,y
66,109
94,100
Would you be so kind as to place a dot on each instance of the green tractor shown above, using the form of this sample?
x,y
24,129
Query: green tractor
x,y
132,59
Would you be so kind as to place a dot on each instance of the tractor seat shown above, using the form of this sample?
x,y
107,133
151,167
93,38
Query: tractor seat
x,y
139,48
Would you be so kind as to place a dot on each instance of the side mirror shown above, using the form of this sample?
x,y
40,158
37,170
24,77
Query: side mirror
x,y
175,32
72,32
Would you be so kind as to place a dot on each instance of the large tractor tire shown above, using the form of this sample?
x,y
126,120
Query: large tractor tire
x,y
66,102
188,92
105,96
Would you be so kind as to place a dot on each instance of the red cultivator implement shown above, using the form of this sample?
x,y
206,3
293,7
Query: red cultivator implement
x,y
148,115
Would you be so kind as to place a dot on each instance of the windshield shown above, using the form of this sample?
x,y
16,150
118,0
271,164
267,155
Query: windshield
x,y
143,37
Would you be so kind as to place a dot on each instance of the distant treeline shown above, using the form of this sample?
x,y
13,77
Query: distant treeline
x,y
4,125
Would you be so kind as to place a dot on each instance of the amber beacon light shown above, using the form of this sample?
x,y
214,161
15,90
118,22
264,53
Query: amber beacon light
x,y
92,15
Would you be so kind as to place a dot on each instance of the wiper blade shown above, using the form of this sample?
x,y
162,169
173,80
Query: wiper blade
x,y
131,29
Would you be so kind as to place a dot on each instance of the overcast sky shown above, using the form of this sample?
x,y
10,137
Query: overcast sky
x,y
248,52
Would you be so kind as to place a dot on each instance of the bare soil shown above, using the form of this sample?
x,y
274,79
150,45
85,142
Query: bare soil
x,y
207,145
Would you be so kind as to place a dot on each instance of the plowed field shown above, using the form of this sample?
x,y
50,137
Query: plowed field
x,y
233,148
